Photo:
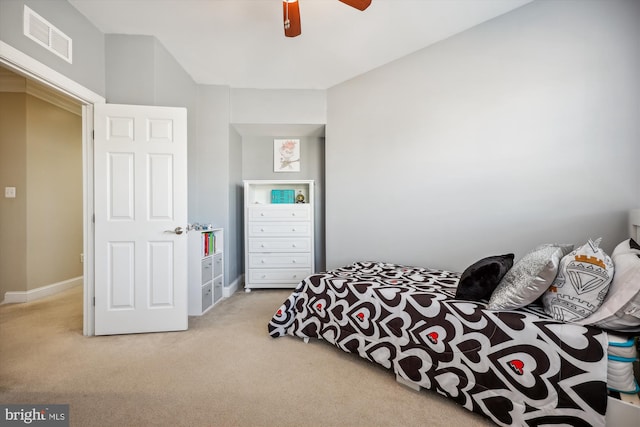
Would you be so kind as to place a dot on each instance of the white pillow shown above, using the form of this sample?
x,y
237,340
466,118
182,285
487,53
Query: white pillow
x,y
620,377
583,280
620,310
621,354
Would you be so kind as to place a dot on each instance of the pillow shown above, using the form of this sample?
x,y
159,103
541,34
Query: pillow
x,y
621,354
583,280
479,280
529,277
620,309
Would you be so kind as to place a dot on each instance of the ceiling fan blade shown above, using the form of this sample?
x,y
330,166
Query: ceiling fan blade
x,y
291,17
358,4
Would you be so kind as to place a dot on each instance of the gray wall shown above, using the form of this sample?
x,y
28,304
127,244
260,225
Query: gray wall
x,y
282,106
236,204
209,189
130,69
257,163
520,131
517,132
88,68
258,116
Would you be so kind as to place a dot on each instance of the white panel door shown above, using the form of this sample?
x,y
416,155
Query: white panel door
x,y
140,214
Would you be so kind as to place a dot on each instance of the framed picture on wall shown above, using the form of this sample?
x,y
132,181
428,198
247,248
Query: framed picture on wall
x,y
286,155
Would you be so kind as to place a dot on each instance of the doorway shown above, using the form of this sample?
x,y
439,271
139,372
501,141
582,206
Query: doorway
x,y
24,65
41,232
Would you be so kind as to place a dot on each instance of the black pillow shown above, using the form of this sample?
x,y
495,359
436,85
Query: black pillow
x,y
481,278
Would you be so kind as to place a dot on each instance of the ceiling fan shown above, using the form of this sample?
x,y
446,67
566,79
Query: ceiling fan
x,y
291,14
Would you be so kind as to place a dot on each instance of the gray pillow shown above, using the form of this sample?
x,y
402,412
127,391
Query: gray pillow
x,y
527,280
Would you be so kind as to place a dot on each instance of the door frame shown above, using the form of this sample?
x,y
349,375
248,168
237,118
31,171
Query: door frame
x,y
27,66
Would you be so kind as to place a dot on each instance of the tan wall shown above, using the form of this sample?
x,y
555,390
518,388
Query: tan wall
x,y
41,229
13,212
54,196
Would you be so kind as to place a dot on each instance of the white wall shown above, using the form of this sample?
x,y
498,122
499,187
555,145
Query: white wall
x,y
520,131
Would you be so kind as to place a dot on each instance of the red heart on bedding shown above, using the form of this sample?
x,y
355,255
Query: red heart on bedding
x,y
433,337
517,366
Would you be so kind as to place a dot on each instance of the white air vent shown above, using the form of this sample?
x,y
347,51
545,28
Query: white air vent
x,y
42,32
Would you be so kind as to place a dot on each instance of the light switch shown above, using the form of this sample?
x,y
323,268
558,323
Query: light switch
x,y
10,192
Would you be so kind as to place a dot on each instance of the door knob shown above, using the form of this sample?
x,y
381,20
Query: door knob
x,y
177,230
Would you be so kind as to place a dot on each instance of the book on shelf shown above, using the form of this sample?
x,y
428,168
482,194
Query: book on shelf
x,y
209,246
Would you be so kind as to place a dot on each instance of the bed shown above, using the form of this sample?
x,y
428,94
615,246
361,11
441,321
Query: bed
x,y
516,367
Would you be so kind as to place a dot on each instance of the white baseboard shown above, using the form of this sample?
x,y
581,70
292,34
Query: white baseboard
x,y
233,287
13,297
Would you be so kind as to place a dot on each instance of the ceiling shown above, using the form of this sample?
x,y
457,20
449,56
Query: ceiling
x,y
241,43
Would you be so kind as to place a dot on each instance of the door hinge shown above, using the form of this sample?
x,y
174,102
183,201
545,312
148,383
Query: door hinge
x,y
93,218
94,301
93,135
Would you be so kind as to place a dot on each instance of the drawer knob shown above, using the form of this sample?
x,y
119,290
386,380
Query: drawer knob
x,y
262,245
261,213
262,261
293,246
262,229
293,229
293,214
264,276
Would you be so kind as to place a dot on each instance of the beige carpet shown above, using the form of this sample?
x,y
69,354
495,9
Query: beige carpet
x,y
224,371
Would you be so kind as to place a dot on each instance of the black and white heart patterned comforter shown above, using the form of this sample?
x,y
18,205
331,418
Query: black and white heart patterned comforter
x,y
515,367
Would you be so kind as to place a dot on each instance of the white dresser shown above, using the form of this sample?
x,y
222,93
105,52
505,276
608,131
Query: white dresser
x,y
279,237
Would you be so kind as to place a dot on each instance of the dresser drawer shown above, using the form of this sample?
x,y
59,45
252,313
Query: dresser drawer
x,y
284,260
282,275
275,244
207,270
279,229
280,212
